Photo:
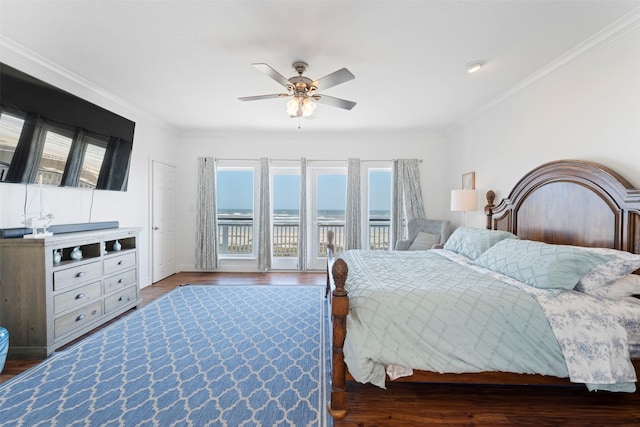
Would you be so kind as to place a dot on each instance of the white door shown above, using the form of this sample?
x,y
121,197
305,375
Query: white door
x,y
328,204
163,220
285,217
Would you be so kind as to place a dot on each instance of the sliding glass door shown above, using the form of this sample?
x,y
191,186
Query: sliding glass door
x,y
236,200
285,217
328,205
378,212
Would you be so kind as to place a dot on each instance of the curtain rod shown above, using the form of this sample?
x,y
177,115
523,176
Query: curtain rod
x,y
308,160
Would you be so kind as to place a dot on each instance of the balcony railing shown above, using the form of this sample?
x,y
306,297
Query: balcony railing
x,y
48,177
235,236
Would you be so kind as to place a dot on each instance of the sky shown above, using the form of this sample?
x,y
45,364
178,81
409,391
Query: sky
x,y
235,188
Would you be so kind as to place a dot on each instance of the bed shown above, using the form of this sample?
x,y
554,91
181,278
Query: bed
x,y
585,213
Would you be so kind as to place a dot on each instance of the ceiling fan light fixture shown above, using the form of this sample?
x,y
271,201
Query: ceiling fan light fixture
x,y
293,105
474,66
308,107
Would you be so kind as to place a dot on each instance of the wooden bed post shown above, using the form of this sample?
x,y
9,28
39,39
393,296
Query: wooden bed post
x,y
339,404
488,208
330,255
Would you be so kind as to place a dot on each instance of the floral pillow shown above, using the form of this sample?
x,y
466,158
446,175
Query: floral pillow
x,y
471,242
626,286
620,265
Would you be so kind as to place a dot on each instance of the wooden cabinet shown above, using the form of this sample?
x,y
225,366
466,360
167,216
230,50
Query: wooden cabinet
x,y
45,304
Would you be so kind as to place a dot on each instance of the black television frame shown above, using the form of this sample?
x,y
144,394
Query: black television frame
x,y
40,104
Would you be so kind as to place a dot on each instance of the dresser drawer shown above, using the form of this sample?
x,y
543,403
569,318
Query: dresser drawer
x,y
75,275
121,262
120,299
119,281
77,319
76,298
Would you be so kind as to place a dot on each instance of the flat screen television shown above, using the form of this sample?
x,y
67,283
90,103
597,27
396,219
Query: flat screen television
x,y
50,136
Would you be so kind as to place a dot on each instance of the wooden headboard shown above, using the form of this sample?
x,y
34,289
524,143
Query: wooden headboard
x,y
571,202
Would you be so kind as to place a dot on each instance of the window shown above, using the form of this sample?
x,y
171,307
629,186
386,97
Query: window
x,y
237,184
10,129
378,219
235,201
285,217
329,201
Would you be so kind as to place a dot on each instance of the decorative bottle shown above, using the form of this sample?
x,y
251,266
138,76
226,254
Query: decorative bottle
x,y
117,246
76,253
57,257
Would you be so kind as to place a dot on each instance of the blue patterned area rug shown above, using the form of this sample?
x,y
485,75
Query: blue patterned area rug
x,y
202,355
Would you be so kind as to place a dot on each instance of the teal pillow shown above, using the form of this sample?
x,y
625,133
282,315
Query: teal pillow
x,y
538,264
471,242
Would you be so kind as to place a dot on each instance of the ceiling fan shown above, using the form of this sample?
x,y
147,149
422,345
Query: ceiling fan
x,y
304,91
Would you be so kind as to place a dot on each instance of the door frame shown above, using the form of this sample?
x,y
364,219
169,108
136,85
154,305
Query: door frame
x,y
313,242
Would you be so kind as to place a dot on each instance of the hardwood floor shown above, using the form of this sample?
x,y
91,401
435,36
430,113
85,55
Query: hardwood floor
x,y
437,404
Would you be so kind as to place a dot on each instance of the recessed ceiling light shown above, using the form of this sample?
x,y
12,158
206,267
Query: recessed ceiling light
x,y
474,66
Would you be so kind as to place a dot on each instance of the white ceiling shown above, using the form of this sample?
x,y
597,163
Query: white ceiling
x,y
187,62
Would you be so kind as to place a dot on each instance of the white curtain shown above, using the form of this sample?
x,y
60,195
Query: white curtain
x,y
302,229
407,196
206,216
353,224
412,190
396,206
264,227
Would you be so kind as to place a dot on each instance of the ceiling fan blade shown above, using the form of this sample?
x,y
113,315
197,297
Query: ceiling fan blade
x,y
335,102
265,68
334,79
257,97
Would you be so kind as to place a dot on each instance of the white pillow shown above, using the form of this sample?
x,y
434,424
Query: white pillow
x,y
424,241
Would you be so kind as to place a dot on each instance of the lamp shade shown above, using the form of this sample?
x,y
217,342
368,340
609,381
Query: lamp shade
x,y
464,200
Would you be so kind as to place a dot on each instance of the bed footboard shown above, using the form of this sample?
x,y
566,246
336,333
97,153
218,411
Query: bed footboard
x,y
339,403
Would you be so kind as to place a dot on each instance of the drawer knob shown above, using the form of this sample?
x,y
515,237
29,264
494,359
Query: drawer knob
x,y
80,296
122,298
80,274
120,262
79,318
121,281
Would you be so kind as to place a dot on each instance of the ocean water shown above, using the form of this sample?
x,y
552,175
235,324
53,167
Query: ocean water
x,y
291,215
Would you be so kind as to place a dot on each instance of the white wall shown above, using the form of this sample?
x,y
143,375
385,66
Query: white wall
x,y
587,109
294,145
152,140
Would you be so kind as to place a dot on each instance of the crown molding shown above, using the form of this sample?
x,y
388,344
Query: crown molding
x,y
24,59
599,40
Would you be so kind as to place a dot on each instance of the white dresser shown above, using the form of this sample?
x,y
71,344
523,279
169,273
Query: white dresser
x,y
46,304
